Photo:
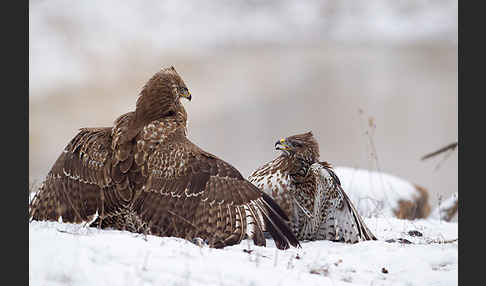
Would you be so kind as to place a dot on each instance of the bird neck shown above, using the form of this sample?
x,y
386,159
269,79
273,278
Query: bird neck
x,y
292,166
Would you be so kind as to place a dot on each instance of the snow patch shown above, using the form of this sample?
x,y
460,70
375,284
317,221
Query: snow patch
x,y
62,253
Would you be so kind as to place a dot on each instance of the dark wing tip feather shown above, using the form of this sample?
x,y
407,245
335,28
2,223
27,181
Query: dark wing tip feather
x,y
274,205
276,225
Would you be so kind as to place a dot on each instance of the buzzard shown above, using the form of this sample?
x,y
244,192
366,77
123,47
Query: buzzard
x,y
144,175
310,193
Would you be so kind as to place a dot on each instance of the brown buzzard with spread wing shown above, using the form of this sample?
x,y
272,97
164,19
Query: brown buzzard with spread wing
x,y
144,175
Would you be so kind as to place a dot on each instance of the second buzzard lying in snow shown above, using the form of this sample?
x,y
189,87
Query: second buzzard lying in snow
x,y
310,193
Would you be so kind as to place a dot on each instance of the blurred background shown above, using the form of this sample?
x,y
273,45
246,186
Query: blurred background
x,y
362,75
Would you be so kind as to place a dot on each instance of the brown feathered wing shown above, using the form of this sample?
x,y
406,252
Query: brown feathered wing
x,y
340,219
75,187
190,193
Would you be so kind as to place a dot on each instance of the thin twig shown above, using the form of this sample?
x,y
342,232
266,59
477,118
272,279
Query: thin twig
x,y
371,127
451,146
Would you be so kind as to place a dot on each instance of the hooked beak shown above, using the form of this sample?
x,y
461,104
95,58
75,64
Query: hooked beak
x,y
187,95
282,145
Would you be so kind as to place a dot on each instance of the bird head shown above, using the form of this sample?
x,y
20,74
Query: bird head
x,y
179,88
161,96
303,146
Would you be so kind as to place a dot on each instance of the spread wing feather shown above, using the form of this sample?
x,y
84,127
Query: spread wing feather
x,y
341,220
190,193
75,186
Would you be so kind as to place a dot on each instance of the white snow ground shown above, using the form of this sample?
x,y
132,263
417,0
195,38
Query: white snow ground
x,y
69,254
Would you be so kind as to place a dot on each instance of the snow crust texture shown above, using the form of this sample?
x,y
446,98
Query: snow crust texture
x,y
424,252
